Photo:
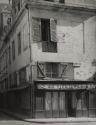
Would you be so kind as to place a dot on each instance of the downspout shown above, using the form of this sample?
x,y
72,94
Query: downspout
x,y
83,37
31,80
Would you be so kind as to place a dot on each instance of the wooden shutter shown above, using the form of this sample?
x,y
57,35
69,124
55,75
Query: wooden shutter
x,y
36,29
67,71
53,23
40,69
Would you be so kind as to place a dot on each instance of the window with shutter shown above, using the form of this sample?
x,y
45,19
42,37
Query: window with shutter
x,y
48,32
36,29
51,70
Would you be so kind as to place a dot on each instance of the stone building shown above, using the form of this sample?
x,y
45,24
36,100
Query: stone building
x,y
50,59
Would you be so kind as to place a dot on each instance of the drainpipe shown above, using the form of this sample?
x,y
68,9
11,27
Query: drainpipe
x,y
83,37
31,80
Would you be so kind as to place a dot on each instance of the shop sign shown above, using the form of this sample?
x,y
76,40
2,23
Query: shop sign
x,y
65,87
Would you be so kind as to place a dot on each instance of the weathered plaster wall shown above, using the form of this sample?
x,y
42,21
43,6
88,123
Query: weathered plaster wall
x,y
76,41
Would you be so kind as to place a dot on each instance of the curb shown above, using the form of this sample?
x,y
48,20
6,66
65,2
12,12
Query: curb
x,y
46,121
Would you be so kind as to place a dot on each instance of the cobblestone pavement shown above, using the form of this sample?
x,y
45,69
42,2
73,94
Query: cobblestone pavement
x,y
7,120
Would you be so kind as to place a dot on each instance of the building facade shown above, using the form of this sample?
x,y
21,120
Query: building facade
x,y
50,59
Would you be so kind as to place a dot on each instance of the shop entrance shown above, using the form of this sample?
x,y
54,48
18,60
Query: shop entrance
x,y
70,104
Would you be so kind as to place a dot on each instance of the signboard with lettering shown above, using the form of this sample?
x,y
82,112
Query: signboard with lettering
x,y
66,86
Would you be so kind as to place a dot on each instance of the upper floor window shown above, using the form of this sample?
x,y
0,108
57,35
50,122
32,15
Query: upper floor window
x,y
13,50
19,42
45,30
50,70
9,55
25,36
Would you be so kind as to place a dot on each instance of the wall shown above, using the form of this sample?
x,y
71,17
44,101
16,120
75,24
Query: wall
x,y
24,58
76,40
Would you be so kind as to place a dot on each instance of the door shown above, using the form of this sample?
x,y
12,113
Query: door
x,y
71,109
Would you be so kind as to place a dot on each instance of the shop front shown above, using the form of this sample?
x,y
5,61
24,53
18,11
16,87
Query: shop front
x,y
62,99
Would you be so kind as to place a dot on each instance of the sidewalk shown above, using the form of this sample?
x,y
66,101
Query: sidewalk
x,y
50,120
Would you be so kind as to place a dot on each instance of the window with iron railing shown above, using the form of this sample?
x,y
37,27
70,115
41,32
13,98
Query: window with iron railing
x,y
47,44
44,30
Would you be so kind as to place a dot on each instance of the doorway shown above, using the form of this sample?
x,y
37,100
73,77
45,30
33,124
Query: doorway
x,y
71,108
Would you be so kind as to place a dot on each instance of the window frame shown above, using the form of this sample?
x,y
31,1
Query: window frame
x,y
13,50
19,43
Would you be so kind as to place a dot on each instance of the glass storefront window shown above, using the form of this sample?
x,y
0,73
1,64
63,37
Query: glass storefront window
x,y
48,101
92,104
59,104
55,101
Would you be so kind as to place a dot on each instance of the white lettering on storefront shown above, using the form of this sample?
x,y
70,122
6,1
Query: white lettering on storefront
x,y
65,87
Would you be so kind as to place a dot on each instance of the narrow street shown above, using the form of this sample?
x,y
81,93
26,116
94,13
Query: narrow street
x,y
7,120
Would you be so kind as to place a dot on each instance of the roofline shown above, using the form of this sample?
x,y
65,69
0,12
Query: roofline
x,y
56,6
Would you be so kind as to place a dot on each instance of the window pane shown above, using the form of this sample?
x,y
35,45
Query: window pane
x,y
45,27
48,101
19,43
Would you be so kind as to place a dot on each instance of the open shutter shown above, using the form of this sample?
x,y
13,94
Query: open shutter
x,y
67,71
63,70
40,70
36,29
53,23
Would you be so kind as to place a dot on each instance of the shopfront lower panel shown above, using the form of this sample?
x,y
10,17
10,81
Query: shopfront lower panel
x,y
63,104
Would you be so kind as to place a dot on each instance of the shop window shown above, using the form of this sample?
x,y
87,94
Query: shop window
x,y
92,104
22,75
15,79
51,70
39,101
19,42
48,101
10,81
13,50
40,111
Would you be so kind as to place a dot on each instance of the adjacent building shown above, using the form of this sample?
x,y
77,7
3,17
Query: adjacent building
x,y
48,59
